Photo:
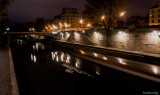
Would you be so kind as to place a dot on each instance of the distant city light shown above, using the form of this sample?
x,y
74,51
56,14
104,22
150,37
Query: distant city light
x,y
88,25
54,32
83,31
7,29
81,21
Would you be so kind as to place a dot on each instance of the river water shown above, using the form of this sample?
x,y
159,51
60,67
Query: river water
x,y
43,69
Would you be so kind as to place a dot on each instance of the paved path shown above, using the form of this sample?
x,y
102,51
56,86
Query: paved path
x,y
5,80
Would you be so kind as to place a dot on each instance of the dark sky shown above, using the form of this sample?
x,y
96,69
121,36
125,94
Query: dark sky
x,y
29,10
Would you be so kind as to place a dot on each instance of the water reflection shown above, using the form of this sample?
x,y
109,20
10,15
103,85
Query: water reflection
x,y
121,61
53,55
71,69
68,58
57,58
78,63
19,41
72,64
38,46
33,58
98,71
62,56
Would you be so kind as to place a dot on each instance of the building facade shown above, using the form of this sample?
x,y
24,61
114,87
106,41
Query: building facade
x,y
90,17
154,15
70,17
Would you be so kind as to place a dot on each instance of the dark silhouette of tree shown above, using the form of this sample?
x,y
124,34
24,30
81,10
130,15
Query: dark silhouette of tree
x,y
109,8
39,25
3,16
3,12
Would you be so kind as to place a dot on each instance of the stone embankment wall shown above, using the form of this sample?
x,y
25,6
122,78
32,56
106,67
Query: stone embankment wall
x,y
140,39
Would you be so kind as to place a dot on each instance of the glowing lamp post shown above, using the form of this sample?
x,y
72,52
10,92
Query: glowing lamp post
x,y
103,17
81,22
88,25
122,15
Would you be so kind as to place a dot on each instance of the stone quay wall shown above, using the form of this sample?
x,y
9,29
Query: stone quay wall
x,y
140,39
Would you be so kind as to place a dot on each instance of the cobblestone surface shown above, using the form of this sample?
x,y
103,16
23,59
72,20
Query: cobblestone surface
x,y
5,83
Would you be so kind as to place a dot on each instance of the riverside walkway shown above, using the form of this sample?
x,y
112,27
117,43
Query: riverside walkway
x,y
8,84
5,80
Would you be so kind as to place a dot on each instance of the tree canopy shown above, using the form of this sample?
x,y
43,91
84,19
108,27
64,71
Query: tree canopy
x,y
109,8
3,8
3,13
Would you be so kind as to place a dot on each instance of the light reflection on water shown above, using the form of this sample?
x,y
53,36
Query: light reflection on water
x,y
19,41
78,63
38,46
72,64
33,58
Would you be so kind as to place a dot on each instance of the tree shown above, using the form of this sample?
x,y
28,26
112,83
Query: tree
x,y
3,11
3,16
109,8
39,25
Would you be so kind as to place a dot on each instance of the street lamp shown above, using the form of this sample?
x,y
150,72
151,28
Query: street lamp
x,y
81,22
7,29
88,25
122,14
33,29
103,17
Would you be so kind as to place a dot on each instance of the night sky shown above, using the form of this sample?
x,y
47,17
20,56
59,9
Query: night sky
x,y
29,10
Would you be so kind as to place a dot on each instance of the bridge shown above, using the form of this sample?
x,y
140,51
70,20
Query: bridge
x,y
32,33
